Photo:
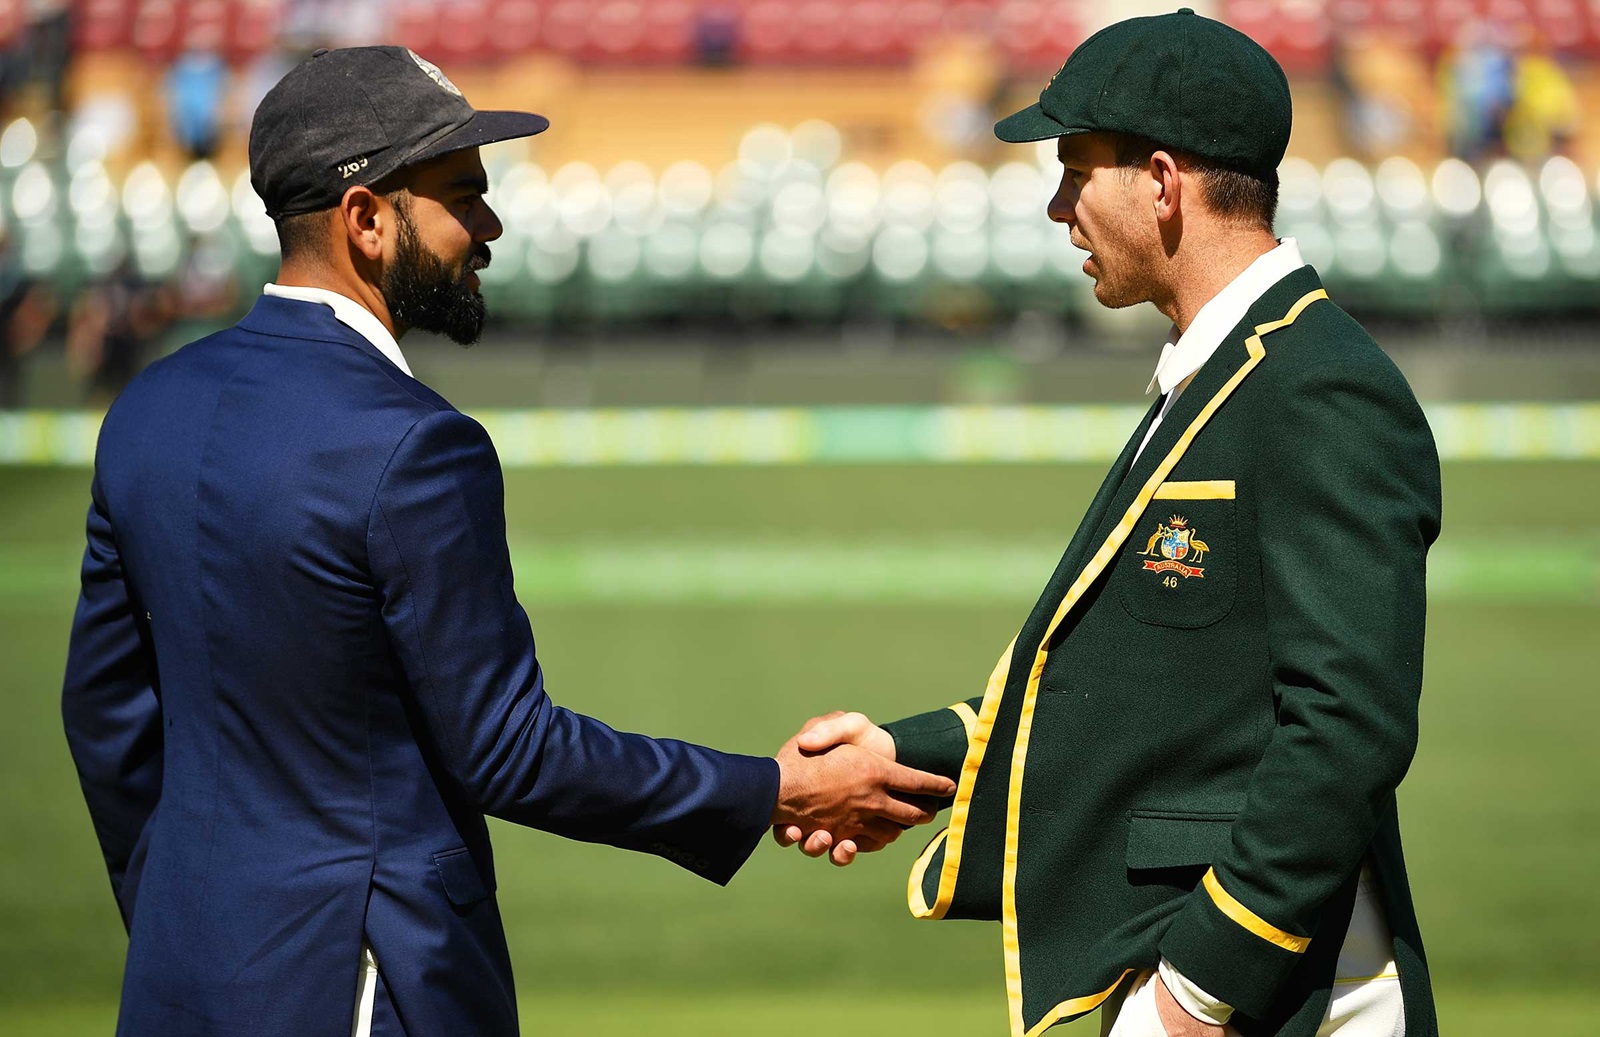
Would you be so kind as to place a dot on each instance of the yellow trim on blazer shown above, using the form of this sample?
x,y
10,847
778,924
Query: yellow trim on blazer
x,y
914,897
977,742
1076,1006
969,719
1228,905
979,739
1214,489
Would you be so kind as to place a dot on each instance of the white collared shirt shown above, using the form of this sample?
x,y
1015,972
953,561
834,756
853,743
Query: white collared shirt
x,y
1183,355
351,314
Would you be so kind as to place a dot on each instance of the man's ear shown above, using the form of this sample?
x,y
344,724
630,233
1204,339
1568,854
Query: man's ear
x,y
1166,186
365,219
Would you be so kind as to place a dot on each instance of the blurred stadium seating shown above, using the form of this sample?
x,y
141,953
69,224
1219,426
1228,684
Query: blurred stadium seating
x,y
723,163
789,228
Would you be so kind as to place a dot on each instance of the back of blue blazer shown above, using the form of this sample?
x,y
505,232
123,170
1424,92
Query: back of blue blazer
x,y
298,681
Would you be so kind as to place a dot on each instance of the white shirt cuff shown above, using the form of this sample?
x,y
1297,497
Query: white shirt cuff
x,y
1192,999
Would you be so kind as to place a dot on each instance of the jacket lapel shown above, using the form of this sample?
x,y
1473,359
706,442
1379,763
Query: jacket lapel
x,y
1072,557
1203,388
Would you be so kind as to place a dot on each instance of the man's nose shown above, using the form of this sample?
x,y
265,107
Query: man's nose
x,y
1060,207
489,227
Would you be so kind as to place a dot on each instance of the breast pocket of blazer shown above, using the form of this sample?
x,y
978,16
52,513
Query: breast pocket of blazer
x,y
1180,565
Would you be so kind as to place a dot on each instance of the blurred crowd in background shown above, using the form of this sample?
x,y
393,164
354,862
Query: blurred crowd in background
x,y
718,163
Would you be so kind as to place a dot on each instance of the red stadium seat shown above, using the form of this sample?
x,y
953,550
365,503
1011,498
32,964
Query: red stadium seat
x,y
1445,22
1591,44
252,28
204,26
1304,38
12,21
1257,19
869,33
670,30
819,30
566,26
767,32
516,27
157,28
916,23
416,25
1563,24
1299,35
465,31
100,24
616,31
1038,34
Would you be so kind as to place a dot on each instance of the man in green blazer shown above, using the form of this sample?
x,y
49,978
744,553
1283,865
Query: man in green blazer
x,y
1177,792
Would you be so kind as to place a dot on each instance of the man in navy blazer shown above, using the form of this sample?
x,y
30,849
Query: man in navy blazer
x,y
299,677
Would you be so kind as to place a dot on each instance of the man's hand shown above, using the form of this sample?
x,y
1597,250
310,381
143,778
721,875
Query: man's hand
x,y
1176,1021
818,735
837,792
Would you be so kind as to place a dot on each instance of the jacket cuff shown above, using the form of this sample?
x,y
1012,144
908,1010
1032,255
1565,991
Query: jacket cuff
x,y
1226,949
935,742
754,781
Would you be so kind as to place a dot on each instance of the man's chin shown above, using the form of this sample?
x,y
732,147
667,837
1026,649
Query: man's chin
x,y
1110,298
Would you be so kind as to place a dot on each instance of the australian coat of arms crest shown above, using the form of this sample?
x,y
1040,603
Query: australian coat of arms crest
x,y
1172,544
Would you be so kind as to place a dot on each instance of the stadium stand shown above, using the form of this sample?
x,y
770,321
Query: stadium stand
x,y
876,189
1033,33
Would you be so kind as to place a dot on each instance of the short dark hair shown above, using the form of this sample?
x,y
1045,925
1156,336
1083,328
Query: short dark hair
x,y
302,234
1231,193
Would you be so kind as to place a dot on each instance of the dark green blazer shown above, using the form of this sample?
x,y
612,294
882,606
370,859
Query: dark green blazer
x,y
1195,739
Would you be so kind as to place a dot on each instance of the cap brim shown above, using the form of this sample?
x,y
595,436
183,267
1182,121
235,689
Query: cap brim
x,y
483,128
1032,124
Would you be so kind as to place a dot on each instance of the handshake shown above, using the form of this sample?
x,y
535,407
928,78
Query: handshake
x,y
842,793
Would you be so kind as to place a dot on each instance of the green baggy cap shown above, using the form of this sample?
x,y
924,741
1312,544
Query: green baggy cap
x,y
1186,82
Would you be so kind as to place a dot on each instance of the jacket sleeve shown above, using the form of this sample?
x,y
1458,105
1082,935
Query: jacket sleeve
x,y
1348,507
111,709
936,742
437,548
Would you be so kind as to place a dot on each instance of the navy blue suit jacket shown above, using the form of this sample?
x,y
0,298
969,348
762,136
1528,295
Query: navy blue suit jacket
x,y
298,681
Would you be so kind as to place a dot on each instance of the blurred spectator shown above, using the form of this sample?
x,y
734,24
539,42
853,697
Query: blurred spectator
x,y
35,47
960,80
1382,84
110,327
50,49
716,35
25,314
203,293
1477,84
197,86
1545,114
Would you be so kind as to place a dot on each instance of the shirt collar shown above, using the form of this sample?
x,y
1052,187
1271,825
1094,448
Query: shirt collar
x,y
349,313
1185,354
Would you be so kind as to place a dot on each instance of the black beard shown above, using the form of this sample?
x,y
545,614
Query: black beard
x,y
422,293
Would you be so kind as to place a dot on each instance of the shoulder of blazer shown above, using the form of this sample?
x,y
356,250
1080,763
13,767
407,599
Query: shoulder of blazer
x,y
1324,340
275,317
1324,333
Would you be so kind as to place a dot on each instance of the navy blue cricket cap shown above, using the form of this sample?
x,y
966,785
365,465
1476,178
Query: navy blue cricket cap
x,y
1184,81
354,116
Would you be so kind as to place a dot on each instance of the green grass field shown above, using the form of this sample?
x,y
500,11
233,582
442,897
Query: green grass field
x,y
726,605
